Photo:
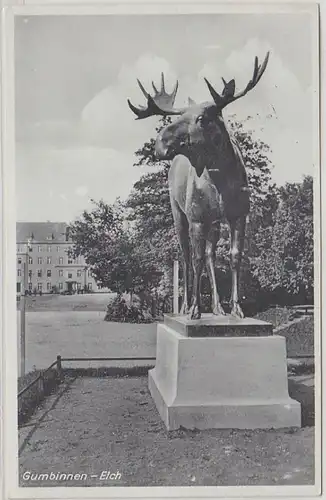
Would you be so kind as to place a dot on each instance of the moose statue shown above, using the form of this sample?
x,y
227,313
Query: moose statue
x,y
207,183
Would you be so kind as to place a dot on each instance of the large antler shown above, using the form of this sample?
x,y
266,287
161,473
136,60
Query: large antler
x,y
159,104
228,94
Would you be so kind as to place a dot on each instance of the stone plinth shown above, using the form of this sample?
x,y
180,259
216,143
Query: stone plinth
x,y
210,325
221,382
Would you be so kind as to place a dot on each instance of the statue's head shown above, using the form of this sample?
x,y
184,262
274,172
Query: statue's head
x,y
199,128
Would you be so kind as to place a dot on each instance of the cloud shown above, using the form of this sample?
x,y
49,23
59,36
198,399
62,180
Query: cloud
x,y
81,190
105,173
107,121
212,47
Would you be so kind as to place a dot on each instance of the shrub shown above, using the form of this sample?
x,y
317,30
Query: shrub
x,y
119,310
275,315
299,337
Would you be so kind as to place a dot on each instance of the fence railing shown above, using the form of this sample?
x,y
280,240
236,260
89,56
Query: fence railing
x,y
59,360
40,377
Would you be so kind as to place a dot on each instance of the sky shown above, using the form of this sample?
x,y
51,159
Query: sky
x,y
76,136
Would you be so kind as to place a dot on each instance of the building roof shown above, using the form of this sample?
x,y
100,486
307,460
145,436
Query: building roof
x,y
41,232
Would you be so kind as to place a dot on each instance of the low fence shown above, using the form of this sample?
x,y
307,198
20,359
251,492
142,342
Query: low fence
x,y
58,363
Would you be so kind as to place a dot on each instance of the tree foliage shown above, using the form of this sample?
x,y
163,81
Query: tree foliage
x,y
287,245
112,251
94,236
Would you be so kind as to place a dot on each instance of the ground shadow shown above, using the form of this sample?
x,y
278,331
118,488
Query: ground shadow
x,y
306,396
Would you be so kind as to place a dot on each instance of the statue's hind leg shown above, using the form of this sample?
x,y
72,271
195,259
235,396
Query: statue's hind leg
x,y
198,244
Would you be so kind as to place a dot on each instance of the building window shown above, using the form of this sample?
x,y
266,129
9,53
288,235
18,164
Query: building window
x,y
18,289
69,276
48,273
60,286
39,248
30,260
58,249
79,273
30,286
49,248
89,286
69,260
39,286
39,260
39,273
19,272
78,286
60,272
48,286
30,273
48,260
60,260
19,260
89,273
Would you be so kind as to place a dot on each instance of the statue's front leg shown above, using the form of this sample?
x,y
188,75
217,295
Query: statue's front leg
x,y
212,239
198,243
237,228
186,265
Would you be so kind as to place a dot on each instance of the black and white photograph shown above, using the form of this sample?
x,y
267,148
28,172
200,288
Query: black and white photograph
x,y
166,257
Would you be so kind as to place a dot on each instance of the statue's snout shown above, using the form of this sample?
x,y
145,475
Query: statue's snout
x,y
164,149
161,149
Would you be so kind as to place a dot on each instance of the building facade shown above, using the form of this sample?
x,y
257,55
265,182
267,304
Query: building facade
x,y
43,261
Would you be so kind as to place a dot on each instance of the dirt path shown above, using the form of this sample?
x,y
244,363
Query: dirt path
x,y
111,424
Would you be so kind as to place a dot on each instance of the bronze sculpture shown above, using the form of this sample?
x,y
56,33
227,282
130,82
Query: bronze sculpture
x,y
207,182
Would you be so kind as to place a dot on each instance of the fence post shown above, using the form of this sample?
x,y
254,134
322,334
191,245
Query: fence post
x,y
23,321
59,364
42,388
175,287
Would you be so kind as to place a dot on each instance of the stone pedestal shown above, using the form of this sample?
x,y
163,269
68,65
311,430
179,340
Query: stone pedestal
x,y
220,381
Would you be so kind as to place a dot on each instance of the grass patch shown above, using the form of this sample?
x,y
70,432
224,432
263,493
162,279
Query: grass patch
x,y
45,384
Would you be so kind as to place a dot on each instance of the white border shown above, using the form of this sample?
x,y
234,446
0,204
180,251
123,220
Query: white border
x,y
10,444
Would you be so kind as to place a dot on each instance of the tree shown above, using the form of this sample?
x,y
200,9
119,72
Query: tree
x,y
94,236
285,263
149,205
111,251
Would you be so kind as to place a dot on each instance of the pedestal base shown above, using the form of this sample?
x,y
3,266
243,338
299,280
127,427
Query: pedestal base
x,y
222,382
